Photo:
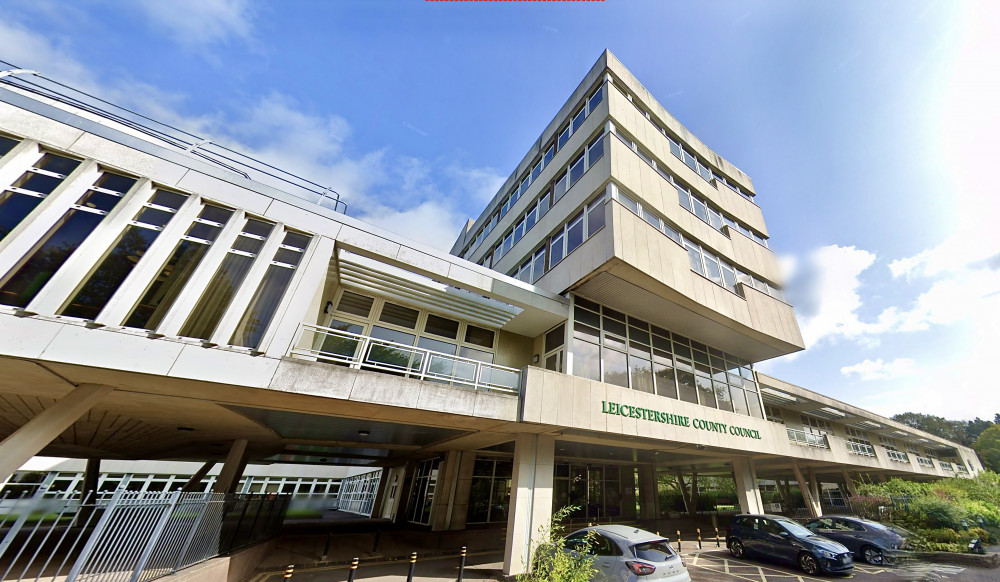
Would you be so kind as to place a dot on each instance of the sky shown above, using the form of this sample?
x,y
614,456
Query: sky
x,y
870,130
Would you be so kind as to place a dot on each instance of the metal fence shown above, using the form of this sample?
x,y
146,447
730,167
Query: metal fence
x,y
335,346
130,536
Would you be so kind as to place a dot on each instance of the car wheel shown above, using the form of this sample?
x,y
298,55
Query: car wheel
x,y
808,563
736,549
872,555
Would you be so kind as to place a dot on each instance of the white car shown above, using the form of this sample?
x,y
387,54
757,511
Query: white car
x,y
628,554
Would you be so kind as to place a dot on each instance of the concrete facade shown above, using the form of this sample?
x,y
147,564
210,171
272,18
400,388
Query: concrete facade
x,y
596,326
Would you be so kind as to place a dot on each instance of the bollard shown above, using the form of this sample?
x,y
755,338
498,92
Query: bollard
x,y
699,537
678,540
288,572
461,565
717,538
413,566
326,548
353,571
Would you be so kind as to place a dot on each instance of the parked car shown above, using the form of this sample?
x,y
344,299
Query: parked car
x,y
871,541
780,538
627,554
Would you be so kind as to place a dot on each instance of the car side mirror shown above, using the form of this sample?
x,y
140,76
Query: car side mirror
x,y
784,534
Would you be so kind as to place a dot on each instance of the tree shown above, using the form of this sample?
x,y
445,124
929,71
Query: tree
x,y
987,446
963,432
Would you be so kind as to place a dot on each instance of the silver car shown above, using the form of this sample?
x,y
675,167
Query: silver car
x,y
627,554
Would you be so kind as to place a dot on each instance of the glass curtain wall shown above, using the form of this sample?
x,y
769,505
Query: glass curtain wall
x,y
489,499
28,191
131,246
594,490
187,255
615,348
69,232
422,492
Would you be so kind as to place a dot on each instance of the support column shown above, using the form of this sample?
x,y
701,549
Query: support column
x,y
405,491
194,483
30,439
463,491
236,461
747,488
530,499
814,488
852,490
811,503
447,486
648,493
627,476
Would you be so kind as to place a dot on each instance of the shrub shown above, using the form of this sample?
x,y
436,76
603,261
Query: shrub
x,y
940,535
550,562
935,512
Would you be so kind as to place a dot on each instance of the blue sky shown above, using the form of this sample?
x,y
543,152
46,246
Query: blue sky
x,y
870,130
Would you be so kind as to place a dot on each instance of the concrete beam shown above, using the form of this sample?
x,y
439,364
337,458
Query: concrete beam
x,y
38,432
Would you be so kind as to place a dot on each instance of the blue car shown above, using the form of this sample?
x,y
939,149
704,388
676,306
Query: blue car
x,y
871,541
780,538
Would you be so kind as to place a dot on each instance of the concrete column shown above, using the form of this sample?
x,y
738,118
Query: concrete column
x,y
648,493
463,491
193,483
530,499
814,486
851,489
229,476
444,497
812,504
627,476
38,432
90,475
405,488
747,488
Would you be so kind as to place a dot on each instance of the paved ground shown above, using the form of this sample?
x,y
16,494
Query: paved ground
x,y
709,565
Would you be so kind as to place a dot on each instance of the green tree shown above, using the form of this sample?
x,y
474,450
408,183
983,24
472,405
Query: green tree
x,y
963,432
987,446
551,561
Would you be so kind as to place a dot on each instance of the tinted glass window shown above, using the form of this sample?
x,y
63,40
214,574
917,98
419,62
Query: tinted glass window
x,y
659,551
399,315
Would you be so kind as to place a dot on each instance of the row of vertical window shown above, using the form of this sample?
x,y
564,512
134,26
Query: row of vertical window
x,y
690,201
702,261
612,347
30,275
543,160
571,175
689,159
583,225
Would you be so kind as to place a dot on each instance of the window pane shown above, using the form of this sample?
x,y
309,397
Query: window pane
x,y
686,387
563,137
441,326
543,205
665,383
262,308
700,209
479,336
642,374
555,338
556,250
578,120
753,403
574,235
548,155
161,294
586,360
722,396
595,150
560,189
399,315
694,256
739,400
215,300
474,354
712,269
596,98
576,171
7,144
96,292
595,219
539,267
615,368
705,390
356,304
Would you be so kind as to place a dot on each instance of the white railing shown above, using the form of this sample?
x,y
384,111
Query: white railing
x,y
925,462
801,437
334,346
860,449
897,456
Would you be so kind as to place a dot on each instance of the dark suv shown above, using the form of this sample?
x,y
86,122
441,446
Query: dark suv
x,y
780,538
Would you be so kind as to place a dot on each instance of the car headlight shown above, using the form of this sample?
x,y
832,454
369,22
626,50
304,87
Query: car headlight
x,y
826,554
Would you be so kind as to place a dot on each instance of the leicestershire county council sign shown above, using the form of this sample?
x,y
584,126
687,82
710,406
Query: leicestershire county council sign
x,y
650,415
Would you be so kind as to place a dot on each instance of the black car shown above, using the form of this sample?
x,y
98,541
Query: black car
x,y
870,541
780,538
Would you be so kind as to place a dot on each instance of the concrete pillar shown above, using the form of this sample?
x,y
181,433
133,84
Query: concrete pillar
x,y
404,492
229,476
30,439
627,476
530,499
814,486
812,504
649,496
194,483
90,475
463,491
747,488
852,490
444,493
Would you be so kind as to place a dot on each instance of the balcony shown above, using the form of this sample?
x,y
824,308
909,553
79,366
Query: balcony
x,y
862,449
897,456
343,348
925,462
947,466
808,439
961,468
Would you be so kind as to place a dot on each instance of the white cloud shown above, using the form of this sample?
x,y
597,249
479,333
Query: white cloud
x,y
879,370
199,23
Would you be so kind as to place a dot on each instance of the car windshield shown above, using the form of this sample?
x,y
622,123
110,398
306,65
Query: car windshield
x,y
795,529
656,551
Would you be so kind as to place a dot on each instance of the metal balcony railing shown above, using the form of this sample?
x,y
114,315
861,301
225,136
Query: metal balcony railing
x,y
801,437
860,449
334,346
897,456
925,462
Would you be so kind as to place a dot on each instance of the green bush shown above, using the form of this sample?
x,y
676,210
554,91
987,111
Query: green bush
x,y
550,562
935,512
940,535
944,547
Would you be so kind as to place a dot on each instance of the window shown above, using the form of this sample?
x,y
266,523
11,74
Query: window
x,y
7,144
556,249
479,336
574,233
564,137
55,248
578,119
576,170
31,188
399,315
264,304
441,326
355,304
125,255
227,280
595,150
183,262
548,155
